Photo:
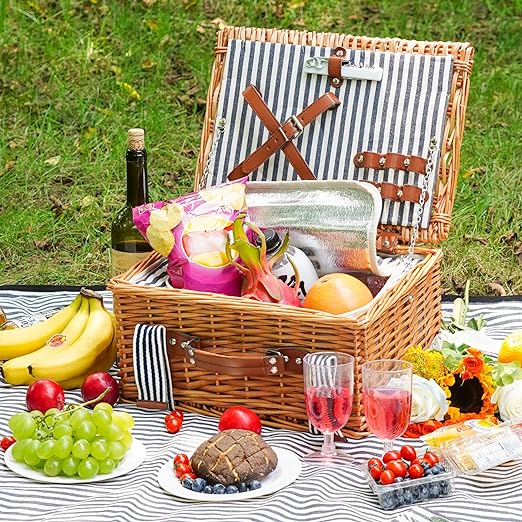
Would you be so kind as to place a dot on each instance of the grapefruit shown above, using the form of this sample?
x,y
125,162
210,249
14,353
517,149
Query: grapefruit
x,y
337,294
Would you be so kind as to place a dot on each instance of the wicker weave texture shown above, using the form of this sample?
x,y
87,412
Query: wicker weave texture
x,y
405,314
408,313
444,193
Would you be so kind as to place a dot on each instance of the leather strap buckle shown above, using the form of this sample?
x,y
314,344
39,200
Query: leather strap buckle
x,y
296,123
281,134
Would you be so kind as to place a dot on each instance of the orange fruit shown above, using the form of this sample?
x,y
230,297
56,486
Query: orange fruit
x,y
337,294
511,348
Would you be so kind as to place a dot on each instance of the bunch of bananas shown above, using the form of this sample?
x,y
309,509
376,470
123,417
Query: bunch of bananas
x,y
78,340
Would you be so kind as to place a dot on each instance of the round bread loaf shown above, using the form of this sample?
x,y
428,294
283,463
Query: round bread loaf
x,y
233,456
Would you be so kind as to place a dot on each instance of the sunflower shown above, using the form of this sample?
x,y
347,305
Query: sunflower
x,y
469,387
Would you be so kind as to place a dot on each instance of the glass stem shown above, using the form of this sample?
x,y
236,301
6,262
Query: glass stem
x,y
328,449
388,446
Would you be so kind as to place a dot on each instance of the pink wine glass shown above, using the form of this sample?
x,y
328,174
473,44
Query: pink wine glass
x,y
328,386
387,398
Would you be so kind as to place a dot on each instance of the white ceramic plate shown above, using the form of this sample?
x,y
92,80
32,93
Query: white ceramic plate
x,y
287,470
133,458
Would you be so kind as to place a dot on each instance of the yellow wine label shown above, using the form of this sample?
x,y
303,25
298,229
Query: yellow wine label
x,y
122,261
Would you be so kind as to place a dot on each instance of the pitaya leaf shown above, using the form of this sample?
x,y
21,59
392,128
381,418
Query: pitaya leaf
x,y
280,251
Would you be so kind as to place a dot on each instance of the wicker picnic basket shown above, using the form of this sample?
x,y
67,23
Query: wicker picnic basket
x,y
236,328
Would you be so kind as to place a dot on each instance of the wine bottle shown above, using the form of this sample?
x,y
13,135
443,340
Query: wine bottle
x,y
127,244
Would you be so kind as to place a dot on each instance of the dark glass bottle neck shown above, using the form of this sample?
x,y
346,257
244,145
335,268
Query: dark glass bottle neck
x,y
137,190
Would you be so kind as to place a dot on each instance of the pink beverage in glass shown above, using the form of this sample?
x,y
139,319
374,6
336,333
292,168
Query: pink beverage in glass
x,y
328,407
387,411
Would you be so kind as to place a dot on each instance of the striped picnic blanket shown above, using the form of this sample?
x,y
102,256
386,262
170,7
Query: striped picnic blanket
x,y
320,494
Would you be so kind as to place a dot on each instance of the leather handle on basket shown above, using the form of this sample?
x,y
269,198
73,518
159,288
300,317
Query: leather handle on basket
x,y
274,362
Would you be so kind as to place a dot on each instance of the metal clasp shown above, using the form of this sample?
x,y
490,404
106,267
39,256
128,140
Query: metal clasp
x,y
273,352
296,123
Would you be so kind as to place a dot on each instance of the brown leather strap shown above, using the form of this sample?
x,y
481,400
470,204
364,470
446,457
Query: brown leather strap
x,y
390,160
274,362
399,192
335,63
387,242
152,405
281,136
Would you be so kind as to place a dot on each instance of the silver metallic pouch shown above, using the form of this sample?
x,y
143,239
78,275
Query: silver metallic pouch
x,y
333,222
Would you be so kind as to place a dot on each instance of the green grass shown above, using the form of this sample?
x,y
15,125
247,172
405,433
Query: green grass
x,y
65,108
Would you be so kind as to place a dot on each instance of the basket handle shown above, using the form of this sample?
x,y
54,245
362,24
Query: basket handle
x,y
273,362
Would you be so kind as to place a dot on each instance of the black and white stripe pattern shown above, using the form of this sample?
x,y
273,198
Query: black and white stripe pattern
x,y
321,369
401,114
320,493
151,364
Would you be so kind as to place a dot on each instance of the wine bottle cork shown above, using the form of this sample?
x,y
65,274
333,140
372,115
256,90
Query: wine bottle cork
x,y
136,139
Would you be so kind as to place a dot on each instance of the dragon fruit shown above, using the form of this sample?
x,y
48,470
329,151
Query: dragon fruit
x,y
259,282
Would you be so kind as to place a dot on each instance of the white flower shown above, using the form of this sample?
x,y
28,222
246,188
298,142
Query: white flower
x,y
509,400
428,400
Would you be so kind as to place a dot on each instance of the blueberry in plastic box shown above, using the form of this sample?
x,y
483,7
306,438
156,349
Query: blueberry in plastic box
x,y
412,491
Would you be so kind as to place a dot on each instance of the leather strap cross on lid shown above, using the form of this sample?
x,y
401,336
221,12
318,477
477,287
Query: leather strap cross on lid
x,y
281,135
273,362
390,160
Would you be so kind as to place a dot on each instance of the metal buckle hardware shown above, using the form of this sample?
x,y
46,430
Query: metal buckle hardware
x,y
296,123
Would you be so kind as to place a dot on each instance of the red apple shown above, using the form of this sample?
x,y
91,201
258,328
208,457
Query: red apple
x,y
43,395
96,383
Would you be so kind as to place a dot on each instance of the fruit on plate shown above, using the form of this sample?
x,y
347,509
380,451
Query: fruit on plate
x,y
78,358
241,418
96,383
511,348
337,293
232,457
20,341
75,441
43,395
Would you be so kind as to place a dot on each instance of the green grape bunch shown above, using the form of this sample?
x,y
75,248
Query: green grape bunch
x,y
73,442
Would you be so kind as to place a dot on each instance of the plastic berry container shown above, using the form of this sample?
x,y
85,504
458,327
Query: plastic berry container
x,y
412,491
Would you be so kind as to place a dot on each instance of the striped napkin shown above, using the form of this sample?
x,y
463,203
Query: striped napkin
x,y
151,365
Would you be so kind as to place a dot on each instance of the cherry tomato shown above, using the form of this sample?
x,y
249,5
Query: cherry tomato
x,y
181,459
181,469
420,461
391,455
388,477
416,471
374,462
7,441
408,453
188,475
173,422
398,467
376,472
431,458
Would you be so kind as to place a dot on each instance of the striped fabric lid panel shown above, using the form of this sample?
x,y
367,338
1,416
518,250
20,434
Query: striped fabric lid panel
x,y
400,113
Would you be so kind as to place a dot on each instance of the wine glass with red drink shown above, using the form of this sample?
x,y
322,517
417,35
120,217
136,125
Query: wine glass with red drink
x,y
328,386
387,398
